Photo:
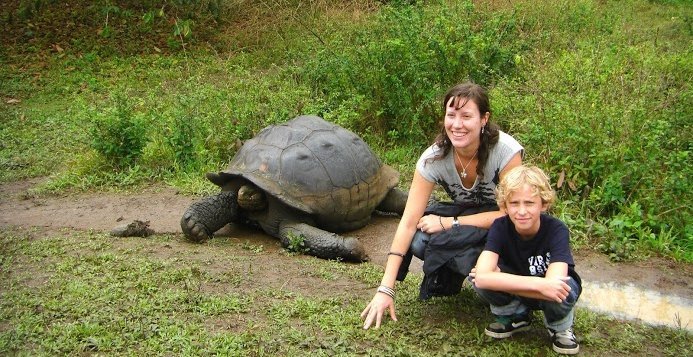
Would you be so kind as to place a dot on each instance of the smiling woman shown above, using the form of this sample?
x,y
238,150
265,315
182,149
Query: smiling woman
x,y
468,158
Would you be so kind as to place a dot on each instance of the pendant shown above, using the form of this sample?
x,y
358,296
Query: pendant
x,y
463,174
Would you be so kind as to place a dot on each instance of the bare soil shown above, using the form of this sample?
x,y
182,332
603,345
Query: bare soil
x,y
163,208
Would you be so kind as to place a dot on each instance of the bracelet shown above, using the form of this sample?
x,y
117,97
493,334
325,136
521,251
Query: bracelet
x,y
440,220
387,291
397,254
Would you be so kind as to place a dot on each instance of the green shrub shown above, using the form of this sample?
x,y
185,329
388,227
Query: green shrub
x,y
119,134
393,70
611,113
296,243
180,136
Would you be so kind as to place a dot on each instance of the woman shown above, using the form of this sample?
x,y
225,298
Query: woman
x,y
467,159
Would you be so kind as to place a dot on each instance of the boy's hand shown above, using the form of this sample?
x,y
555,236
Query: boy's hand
x,y
555,289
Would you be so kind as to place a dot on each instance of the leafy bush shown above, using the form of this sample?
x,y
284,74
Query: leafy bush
x,y
181,137
392,71
611,114
296,243
118,134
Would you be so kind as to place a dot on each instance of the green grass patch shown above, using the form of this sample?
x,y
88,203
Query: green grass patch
x,y
598,92
81,292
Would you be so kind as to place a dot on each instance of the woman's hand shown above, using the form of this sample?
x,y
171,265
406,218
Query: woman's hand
x,y
431,223
472,273
376,309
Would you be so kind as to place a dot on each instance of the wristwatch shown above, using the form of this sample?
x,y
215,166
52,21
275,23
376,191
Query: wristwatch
x,y
455,222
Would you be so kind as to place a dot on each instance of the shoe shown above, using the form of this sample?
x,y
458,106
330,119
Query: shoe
x,y
506,326
564,342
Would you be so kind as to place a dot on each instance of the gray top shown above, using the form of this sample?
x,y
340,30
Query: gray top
x,y
443,172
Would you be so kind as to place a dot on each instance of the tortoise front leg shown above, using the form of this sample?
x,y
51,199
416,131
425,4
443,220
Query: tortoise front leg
x,y
322,244
206,216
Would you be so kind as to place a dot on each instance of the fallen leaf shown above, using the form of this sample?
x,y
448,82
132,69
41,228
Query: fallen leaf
x,y
561,179
572,186
13,101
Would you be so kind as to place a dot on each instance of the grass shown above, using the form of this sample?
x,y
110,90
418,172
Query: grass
x,y
589,87
588,93
74,292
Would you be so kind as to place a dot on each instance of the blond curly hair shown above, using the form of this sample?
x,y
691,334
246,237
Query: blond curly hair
x,y
521,175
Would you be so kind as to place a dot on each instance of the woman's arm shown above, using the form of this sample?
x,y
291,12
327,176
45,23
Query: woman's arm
x,y
515,161
419,194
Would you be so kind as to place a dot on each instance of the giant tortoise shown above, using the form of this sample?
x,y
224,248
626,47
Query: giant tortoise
x,y
307,179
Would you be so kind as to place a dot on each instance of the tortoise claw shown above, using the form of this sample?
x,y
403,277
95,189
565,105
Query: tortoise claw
x,y
204,217
193,229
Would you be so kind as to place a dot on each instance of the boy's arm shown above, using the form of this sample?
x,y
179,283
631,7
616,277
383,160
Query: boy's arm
x,y
553,287
557,270
487,262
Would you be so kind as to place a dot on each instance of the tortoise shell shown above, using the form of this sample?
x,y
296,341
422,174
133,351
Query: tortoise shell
x,y
316,167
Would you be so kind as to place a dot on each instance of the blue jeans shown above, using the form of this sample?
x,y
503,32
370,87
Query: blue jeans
x,y
419,243
557,316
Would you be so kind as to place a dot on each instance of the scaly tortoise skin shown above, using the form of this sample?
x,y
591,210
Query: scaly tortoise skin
x,y
305,178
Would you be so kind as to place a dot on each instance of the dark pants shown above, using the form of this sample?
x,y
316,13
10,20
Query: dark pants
x,y
419,243
557,316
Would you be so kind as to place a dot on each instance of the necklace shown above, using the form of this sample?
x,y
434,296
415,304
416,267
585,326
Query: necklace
x,y
463,173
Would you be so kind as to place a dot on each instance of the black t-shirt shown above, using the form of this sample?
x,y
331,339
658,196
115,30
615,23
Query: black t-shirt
x,y
531,257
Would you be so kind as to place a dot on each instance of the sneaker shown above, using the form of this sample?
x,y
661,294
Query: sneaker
x,y
506,326
564,342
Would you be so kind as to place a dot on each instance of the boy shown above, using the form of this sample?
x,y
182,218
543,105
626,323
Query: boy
x,y
527,264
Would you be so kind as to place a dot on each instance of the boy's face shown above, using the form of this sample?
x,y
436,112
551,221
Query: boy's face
x,y
524,209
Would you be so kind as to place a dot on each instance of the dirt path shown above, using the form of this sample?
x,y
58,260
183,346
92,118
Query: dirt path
x,y
163,207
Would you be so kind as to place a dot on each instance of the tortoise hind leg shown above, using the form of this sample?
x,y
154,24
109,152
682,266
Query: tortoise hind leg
x,y
394,202
206,216
322,244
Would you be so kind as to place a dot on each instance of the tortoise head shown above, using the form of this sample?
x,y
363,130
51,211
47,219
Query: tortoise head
x,y
251,198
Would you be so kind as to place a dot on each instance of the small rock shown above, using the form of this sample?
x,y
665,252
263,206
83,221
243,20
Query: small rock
x,y
90,345
135,229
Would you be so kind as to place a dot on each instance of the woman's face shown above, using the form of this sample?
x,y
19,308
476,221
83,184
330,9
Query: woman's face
x,y
463,124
